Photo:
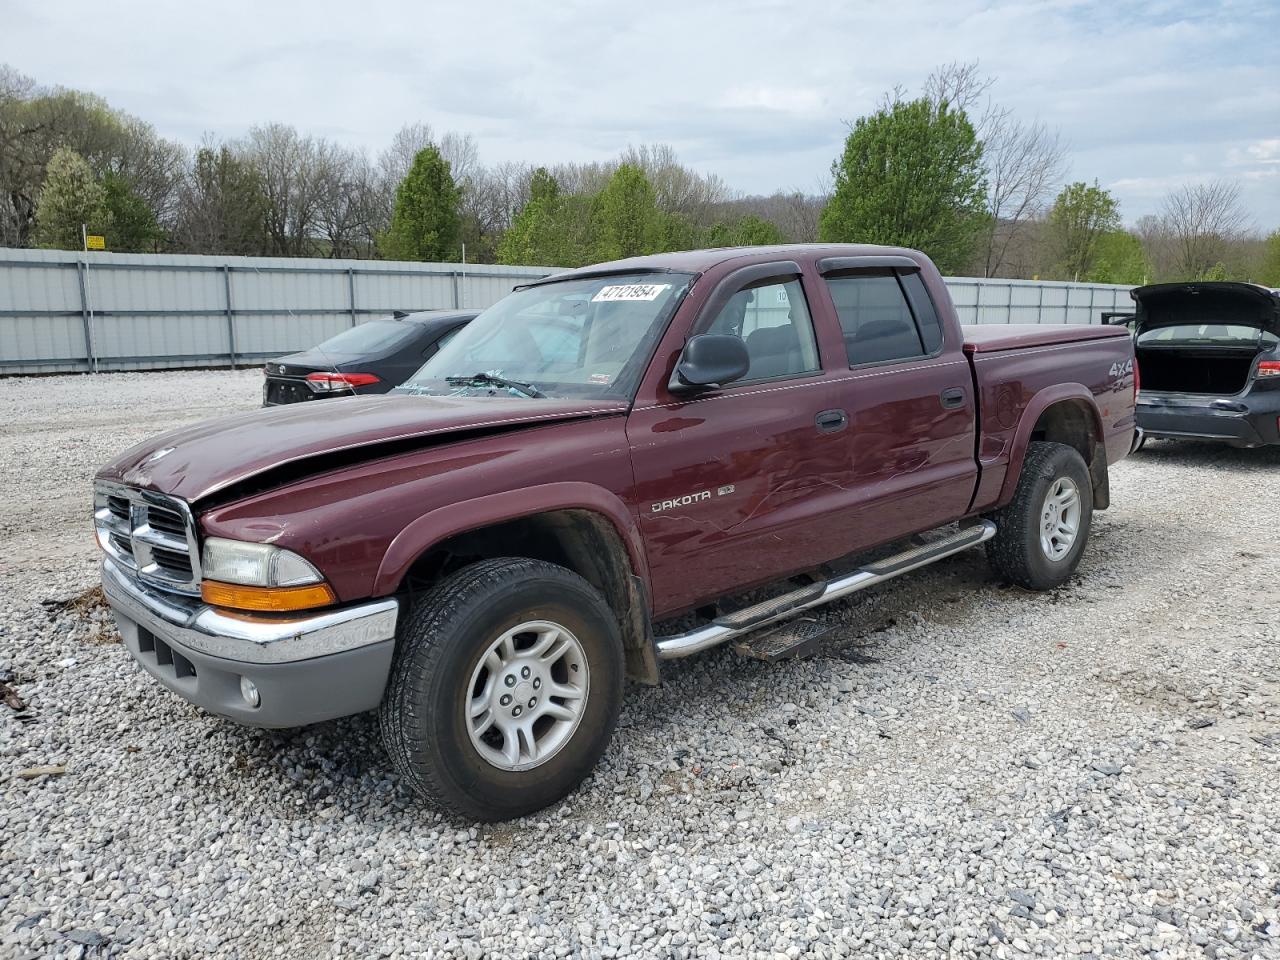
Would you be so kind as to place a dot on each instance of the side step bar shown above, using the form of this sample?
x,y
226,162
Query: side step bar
x,y
726,628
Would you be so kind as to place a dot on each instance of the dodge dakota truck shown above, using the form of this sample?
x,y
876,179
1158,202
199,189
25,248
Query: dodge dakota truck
x,y
610,468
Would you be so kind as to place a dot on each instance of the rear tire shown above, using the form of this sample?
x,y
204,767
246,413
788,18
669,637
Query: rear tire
x,y
1041,534
505,689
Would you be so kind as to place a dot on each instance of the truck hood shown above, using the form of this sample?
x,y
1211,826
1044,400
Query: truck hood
x,y
1207,302
286,442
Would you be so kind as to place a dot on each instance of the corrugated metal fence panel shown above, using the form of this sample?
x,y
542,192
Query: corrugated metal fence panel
x,y
161,311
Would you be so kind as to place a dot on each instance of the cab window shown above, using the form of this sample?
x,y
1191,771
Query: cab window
x,y
773,321
877,321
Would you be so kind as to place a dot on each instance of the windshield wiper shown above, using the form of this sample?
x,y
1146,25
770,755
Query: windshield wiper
x,y
528,389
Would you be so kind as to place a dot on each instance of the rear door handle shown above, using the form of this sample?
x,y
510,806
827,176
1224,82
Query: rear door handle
x,y
952,398
831,421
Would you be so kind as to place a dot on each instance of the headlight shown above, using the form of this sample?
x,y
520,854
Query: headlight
x,y
255,564
260,577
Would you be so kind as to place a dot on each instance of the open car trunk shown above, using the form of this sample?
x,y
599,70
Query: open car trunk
x,y
1202,337
1223,370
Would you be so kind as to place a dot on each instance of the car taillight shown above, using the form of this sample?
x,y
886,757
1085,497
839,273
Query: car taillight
x,y
322,382
1269,368
1137,379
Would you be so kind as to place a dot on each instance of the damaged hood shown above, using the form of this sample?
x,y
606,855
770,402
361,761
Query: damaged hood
x,y
1207,302
198,461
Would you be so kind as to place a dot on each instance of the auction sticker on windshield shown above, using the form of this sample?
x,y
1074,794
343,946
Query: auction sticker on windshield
x,y
630,291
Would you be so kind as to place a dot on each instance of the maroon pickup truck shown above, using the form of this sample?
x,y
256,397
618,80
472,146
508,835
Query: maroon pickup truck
x,y
609,468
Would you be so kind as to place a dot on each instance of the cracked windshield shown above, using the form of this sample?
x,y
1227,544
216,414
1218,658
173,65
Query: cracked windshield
x,y
590,337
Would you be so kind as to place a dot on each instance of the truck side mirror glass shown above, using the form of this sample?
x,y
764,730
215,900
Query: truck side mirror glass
x,y
710,360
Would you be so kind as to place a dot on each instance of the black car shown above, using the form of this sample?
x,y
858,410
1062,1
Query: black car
x,y
1208,359
373,357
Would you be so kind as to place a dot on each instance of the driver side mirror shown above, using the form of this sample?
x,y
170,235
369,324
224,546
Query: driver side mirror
x,y
709,361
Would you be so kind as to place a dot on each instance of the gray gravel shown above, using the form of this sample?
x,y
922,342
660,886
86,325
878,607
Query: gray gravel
x,y
968,771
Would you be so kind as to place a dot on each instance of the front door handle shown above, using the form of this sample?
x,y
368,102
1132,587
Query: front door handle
x,y
831,421
952,398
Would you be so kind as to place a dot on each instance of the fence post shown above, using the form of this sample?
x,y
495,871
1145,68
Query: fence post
x,y
1008,309
1092,291
1040,305
231,320
977,301
90,358
457,298
351,293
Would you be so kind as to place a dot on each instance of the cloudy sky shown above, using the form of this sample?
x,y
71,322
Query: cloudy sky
x,y
1149,95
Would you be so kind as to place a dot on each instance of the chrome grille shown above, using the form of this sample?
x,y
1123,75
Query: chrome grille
x,y
151,535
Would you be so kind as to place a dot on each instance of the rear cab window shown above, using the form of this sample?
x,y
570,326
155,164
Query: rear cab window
x,y
885,316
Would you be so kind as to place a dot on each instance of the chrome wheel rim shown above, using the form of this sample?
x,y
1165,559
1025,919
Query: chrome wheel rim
x,y
527,695
1060,518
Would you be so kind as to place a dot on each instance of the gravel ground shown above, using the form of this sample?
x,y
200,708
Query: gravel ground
x,y
968,770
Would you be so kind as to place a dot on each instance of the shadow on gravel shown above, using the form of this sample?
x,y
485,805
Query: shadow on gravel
x,y
1199,454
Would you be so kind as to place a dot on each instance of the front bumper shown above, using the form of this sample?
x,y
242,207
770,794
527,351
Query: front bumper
x,y
306,669
1248,422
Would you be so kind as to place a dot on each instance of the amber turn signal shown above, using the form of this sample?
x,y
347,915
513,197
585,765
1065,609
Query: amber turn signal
x,y
266,599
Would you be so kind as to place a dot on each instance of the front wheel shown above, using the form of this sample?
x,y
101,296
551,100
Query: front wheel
x,y
1043,531
505,689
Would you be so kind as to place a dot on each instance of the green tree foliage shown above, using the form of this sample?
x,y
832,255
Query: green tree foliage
x,y
425,224
1081,215
625,221
746,231
221,207
133,224
71,197
534,234
1270,270
911,175
1119,258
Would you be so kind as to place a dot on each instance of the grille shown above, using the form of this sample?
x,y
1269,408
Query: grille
x,y
150,535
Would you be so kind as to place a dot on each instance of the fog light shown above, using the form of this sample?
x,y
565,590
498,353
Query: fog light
x,y
249,691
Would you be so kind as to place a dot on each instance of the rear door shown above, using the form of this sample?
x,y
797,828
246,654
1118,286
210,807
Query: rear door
x,y
737,486
908,390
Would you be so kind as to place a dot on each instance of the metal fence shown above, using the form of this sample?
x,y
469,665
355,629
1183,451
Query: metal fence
x,y
66,312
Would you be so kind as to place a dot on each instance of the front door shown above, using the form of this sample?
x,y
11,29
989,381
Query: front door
x,y
736,485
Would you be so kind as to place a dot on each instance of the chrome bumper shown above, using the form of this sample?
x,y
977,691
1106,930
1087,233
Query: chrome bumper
x,y
199,627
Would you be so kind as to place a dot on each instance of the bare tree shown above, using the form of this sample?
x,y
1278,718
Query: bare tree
x,y
677,188
1201,223
1025,163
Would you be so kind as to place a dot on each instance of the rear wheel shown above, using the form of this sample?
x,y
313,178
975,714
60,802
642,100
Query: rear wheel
x,y
505,689
1042,533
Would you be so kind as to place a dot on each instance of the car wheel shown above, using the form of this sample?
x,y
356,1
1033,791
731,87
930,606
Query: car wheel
x,y
1042,533
505,689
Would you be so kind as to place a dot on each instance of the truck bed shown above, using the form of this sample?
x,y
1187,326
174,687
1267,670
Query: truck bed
x,y
992,337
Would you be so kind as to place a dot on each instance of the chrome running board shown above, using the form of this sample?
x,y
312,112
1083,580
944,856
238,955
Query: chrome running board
x,y
806,598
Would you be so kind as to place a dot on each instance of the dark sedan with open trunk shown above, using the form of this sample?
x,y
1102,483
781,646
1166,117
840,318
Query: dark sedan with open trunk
x,y
1208,356
373,357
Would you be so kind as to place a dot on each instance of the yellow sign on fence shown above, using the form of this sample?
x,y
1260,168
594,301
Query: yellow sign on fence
x,y
92,242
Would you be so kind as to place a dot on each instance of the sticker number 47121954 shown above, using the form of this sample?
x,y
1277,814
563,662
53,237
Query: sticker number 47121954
x,y
1119,369
629,291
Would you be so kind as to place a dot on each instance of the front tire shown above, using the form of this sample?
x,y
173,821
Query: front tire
x,y
1041,534
505,689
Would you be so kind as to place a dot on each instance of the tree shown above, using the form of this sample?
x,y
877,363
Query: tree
x,y
133,223
221,207
746,231
1081,214
71,197
625,220
425,223
1269,271
1201,221
910,175
1119,258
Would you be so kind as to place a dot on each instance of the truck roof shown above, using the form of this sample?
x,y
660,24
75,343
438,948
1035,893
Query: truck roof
x,y
699,261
